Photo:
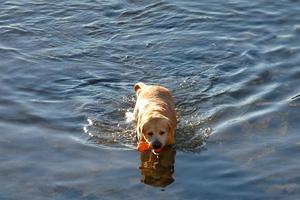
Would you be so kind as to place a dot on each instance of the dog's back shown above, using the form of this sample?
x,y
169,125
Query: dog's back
x,y
151,98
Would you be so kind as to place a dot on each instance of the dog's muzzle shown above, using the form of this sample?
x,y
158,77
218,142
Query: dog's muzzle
x,y
157,146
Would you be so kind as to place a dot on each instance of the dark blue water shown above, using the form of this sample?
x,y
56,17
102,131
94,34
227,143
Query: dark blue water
x,y
67,69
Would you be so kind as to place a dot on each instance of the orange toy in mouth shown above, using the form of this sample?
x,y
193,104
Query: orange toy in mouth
x,y
142,146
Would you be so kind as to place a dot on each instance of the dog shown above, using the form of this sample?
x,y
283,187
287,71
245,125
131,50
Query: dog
x,y
155,117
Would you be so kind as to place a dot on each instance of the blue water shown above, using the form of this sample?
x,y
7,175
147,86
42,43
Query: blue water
x,y
67,69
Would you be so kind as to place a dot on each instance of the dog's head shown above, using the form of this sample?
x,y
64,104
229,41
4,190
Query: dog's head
x,y
157,132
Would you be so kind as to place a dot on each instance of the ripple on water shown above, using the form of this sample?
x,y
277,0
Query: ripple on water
x,y
116,133
190,136
233,67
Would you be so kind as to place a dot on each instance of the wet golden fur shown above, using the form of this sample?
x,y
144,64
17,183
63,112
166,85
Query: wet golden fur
x,y
154,113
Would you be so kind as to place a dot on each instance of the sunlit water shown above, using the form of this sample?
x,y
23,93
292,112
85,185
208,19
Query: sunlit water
x,y
67,70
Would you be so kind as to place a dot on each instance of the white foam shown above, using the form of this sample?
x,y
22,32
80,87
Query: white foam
x,y
129,117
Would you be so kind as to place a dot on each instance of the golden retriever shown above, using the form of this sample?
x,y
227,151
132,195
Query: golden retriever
x,y
155,117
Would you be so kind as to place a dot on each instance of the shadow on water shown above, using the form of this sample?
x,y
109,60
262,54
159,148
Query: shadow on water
x,y
157,170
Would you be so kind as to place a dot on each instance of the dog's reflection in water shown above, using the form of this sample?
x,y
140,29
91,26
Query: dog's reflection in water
x,y
157,170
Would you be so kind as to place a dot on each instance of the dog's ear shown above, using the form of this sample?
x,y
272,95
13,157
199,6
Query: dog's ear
x,y
171,134
137,87
140,132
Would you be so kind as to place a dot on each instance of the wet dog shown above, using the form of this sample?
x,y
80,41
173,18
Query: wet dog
x,y
155,117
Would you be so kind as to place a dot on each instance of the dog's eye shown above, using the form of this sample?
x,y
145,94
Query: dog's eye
x,y
161,133
150,133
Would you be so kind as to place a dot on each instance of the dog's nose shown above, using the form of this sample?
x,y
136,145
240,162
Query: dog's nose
x,y
156,144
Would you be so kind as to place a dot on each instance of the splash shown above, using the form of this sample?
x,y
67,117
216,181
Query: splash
x,y
113,136
116,130
190,135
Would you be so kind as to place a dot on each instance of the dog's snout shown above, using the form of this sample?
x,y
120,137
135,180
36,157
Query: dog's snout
x,y
156,144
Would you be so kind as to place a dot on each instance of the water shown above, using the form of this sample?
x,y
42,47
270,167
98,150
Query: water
x,y
67,71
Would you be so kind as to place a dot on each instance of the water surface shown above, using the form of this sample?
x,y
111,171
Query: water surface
x,y
67,70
